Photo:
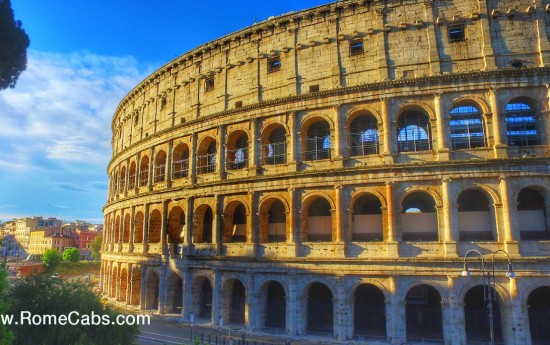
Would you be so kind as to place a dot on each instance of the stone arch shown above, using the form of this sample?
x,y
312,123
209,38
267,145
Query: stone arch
x,y
363,132
180,161
517,111
152,290
419,218
237,149
369,311
122,187
174,293
318,226
476,215
114,281
274,143
155,225
414,128
319,308
423,313
143,171
366,220
201,296
236,221
316,137
234,306
138,227
476,314
123,285
117,229
206,155
203,222
176,222
273,228
159,170
470,99
538,302
126,229
532,212
132,173
272,305
467,125
135,286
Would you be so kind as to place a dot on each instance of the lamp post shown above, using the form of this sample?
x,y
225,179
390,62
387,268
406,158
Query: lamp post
x,y
191,322
489,285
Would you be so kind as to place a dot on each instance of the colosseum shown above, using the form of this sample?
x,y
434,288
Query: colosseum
x,y
368,171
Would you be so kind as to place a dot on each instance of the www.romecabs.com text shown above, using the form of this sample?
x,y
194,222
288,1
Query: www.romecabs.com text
x,y
73,318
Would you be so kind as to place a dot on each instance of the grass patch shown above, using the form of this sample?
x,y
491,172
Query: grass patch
x,y
79,268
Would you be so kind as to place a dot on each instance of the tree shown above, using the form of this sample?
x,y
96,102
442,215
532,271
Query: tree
x,y
13,46
6,336
41,295
95,247
71,255
51,258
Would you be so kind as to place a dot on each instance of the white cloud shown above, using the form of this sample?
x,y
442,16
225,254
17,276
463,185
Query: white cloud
x,y
61,109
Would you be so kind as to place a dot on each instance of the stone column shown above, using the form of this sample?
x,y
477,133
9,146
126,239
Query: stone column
x,y
391,234
338,138
187,292
293,326
500,149
293,232
163,229
151,166
189,226
254,152
449,231
129,284
220,152
485,29
441,124
293,142
217,298
387,152
342,309
510,234
251,316
168,168
398,328
162,290
146,229
132,229
451,324
518,321
217,226
193,159
143,289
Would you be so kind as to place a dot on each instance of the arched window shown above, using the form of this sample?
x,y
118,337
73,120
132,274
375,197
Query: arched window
x,y
318,141
122,185
475,221
138,228
423,313
277,222
419,218
413,132
466,128
144,171
476,315
369,311
364,138
206,158
155,224
160,167
319,221
532,215
132,176
320,309
523,128
539,315
367,219
237,152
238,231
275,149
180,162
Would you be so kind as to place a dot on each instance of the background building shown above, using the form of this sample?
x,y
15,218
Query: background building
x,y
327,171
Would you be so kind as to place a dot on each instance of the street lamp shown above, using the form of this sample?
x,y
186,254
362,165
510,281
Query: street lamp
x,y
489,285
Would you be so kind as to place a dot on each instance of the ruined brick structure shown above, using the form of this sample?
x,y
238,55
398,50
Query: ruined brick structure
x,y
326,171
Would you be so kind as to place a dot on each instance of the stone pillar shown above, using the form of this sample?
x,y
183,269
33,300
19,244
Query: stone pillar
x,y
485,30
128,284
343,314
217,226
339,137
146,229
193,159
162,290
293,225
127,175
189,226
163,229
441,124
500,149
391,234
151,166
338,228
398,328
387,151
293,142
254,152
293,326
187,292
449,231
217,298
132,229
252,308
220,152
143,289
451,323
510,234
168,168
518,321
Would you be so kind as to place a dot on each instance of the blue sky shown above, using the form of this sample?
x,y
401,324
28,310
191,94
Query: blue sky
x,y
84,57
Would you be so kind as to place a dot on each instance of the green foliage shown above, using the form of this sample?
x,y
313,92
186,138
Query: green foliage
x,y
71,255
95,247
51,258
13,46
6,337
41,295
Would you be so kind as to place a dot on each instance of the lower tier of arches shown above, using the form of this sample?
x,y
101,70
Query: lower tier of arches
x,y
406,303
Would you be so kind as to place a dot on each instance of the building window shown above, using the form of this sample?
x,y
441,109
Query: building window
x,y
522,126
466,128
356,47
163,103
318,141
414,133
364,136
313,88
273,64
209,84
456,33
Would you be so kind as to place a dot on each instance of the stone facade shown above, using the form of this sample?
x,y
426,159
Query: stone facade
x,y
327,171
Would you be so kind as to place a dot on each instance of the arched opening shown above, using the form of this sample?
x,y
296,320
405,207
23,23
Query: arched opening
x,y
114,280
132,176
320,309
138,228
152,291
475,221
176,221
532,215
237,151
235,223
276,222
180,162
202,298
369,311
115,187
126,229
144,171
419,218
135,282
317,142
476,314
160,167
274,146
174,296
122,185
539,315
367,219
155,224
413,132
467,128
234,302
204,218
364,138
274,297
206,157
123,285
319,221
423,313
523,126
117,229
